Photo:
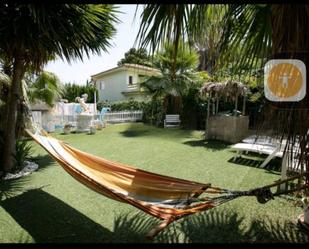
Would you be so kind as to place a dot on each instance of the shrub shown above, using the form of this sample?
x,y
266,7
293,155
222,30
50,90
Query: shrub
x,y
127,105
102,104
71,91
153,112
23,153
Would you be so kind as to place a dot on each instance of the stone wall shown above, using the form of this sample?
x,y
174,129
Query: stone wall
x,y
228,128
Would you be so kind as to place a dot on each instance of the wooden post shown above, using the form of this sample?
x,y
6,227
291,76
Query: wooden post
x,y
217,105
95,101
283,170
207,118
236,104
244,106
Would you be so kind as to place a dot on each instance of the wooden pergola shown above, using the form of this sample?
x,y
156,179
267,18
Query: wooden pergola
x,y
230,90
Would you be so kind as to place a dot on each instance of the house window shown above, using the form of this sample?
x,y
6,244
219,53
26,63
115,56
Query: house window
x,y
102,85
130,80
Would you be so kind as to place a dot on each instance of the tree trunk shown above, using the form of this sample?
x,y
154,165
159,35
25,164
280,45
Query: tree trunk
x,y
217,105
290,40
236,104
244,105
14,95
207,118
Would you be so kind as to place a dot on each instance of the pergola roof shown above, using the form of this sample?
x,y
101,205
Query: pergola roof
x,y
228,88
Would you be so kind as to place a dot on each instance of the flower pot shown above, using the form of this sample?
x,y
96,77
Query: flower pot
x,y
92,130
66,130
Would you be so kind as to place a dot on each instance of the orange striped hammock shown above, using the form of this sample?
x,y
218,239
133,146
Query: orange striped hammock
x,y
164,197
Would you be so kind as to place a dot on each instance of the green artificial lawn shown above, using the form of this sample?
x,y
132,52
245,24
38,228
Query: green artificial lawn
x,y
51,206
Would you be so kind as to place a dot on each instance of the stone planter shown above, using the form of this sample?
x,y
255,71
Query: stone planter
x,y
230,129
66,130
83,122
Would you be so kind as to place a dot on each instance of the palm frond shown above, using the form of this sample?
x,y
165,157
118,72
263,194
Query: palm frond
x,y
247,29
65,30
46,87
161,23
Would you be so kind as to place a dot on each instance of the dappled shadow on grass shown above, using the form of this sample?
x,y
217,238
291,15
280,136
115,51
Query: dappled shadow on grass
x,y
137,130
10,188
48,219
130,228
135,133
268,231
271,167
213,226
209,144
246,162
208,227
44,161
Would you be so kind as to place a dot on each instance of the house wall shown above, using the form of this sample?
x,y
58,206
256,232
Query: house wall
x,y
114,84
118,82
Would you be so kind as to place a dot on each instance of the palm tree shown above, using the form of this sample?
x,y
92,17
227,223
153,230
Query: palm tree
x,y
32,33
46,88
206,37
261,32
168,85
5,82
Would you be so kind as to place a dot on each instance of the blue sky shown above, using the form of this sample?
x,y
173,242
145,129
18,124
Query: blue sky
x,y
78,72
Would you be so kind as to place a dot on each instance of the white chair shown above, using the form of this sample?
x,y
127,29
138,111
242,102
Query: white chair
x,y
172,120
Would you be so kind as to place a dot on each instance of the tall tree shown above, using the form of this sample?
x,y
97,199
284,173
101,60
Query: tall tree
x,y
167,84
71,91
136,56
262,31
32,33
206,37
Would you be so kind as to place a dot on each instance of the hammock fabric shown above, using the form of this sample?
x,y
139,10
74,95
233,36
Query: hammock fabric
x,y
164,197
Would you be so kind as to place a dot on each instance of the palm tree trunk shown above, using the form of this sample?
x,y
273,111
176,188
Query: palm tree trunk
x,y
236,104
207,118
217,105
14,95
290,39
244,105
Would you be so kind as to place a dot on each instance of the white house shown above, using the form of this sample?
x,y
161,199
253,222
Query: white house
x,y
122,83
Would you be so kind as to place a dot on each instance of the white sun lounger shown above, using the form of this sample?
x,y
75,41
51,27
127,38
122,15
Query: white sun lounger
x,y
267,149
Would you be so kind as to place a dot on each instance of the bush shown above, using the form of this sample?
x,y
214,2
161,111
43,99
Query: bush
x,y
102,104
194,109
23,153
127,105
71,91
153,112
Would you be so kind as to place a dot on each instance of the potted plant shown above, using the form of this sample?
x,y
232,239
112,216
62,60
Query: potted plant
x,y
92,129
67,128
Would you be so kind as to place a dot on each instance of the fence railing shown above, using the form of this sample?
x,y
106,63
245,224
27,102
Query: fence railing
x,y
51,122
124,116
